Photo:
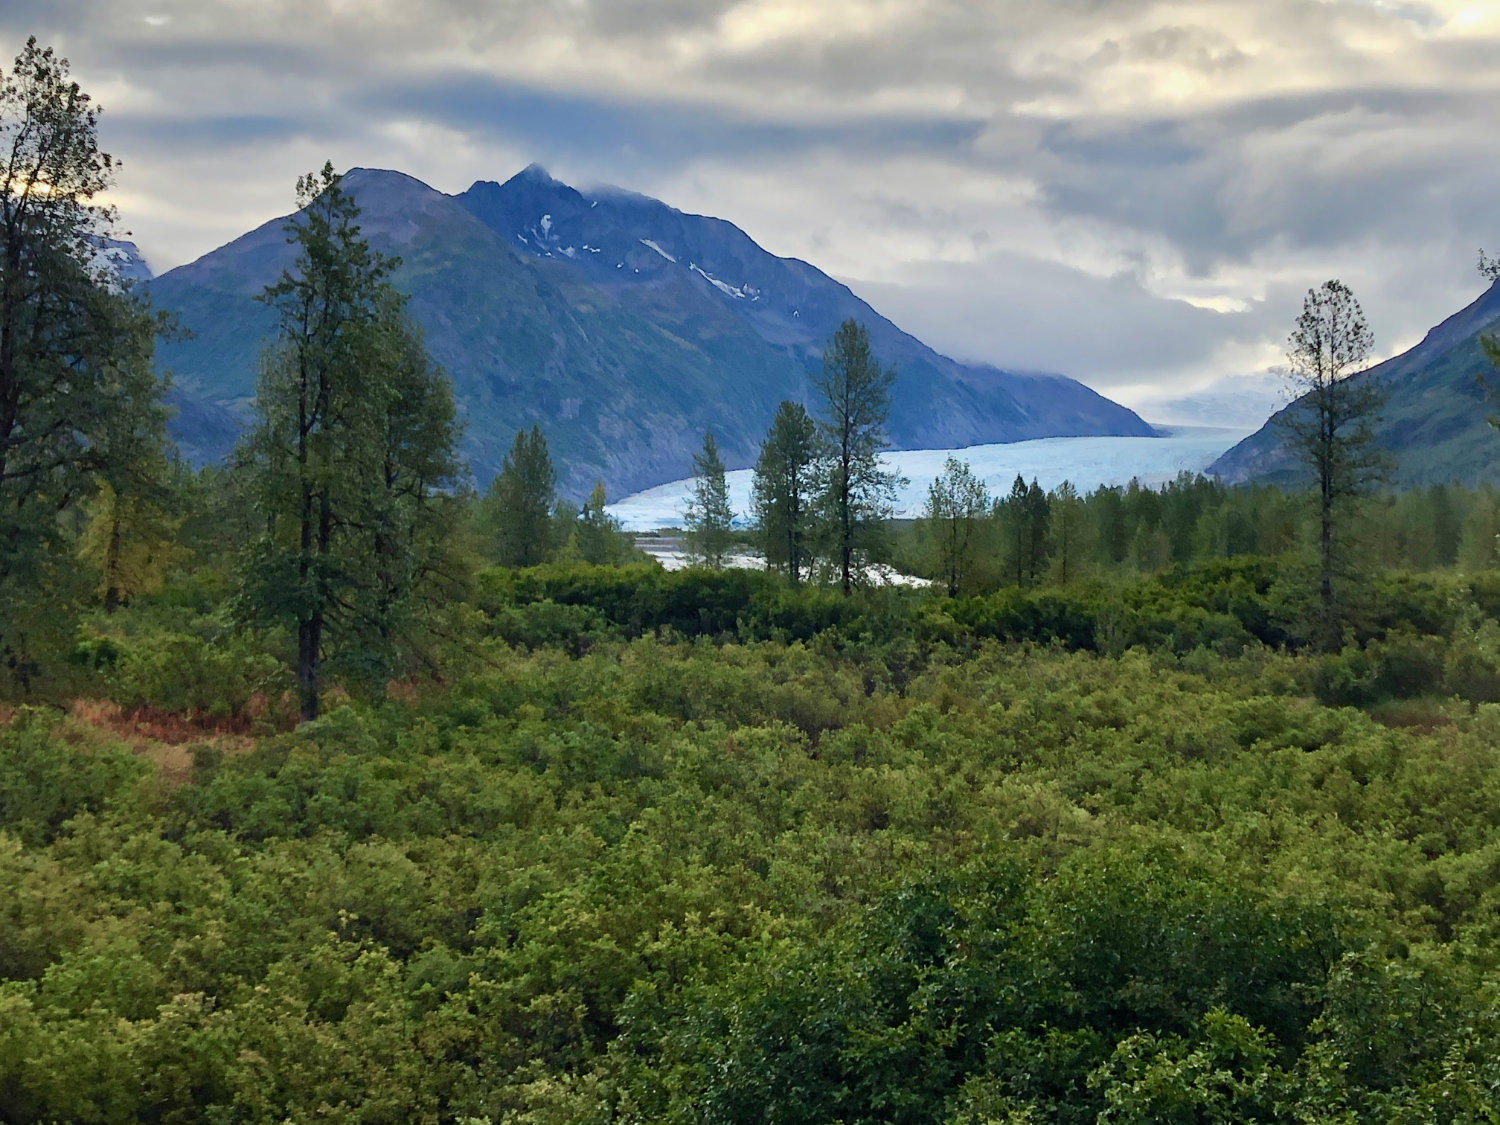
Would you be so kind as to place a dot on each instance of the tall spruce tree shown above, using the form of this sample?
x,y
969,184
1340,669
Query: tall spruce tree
x,y
1016,518
79,401
1026,513
521,500
350,456
1329,429
782,490
709,520
1038,529
858,496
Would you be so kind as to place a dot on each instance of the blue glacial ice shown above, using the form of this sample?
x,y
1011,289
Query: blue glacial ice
x,y
1088,462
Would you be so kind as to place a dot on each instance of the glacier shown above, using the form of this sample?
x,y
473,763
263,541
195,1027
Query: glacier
x,y
1087,462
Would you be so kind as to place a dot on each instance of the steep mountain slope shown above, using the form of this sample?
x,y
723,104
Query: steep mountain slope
x,y
621,326
1433,422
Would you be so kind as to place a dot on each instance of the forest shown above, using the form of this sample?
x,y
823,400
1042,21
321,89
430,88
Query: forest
x,y
333,788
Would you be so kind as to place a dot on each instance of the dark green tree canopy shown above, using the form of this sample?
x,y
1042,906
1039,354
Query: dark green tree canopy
x,y
520,502
79,401
351,456
783,490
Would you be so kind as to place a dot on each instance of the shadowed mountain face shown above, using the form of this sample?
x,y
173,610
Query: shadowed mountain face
x,y
623,327
1433,422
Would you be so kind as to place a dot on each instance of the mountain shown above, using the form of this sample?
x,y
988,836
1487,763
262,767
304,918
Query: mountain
x,y
622,326
1433,422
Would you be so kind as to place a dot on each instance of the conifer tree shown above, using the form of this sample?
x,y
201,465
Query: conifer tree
x,y
350,456
1112,531
1067,529
1026,515
1038,525
130,536
1017,524
408,517
782,491
709,519
858,496
521,500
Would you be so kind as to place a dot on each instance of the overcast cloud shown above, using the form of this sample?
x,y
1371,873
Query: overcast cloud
x,y
1133,193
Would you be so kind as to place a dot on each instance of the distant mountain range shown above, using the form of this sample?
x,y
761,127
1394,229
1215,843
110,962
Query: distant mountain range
x,y
1434,420
622,326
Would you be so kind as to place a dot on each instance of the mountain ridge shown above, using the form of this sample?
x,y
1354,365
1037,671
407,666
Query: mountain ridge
x,y
621,325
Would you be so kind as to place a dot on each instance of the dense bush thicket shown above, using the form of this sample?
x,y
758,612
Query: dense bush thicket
x,y
704,848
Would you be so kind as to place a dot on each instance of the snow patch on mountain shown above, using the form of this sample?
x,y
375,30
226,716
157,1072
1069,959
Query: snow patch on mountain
x,y
648,243
121,259
746,293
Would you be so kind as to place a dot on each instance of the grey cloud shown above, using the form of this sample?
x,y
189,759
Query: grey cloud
x,y
166,134
1381,169
1317,173
1026,314
639,132
1201,48
655,17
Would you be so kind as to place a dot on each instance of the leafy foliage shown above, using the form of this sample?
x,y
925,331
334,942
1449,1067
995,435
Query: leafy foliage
x,y
857,494
709,518
783,491
352,450
707,847
79,400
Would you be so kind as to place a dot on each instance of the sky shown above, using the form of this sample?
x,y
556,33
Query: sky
x,y
1137,194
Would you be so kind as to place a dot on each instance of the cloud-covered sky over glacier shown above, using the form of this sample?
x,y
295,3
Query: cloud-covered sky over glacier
x,y
1131,192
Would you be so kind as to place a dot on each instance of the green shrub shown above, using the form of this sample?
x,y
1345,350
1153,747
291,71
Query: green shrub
x,y
177,672
46,779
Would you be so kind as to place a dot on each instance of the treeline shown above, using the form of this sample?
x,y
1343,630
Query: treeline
x,y
972,542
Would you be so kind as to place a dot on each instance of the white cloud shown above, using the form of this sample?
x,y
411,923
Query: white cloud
x,y
1132,191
